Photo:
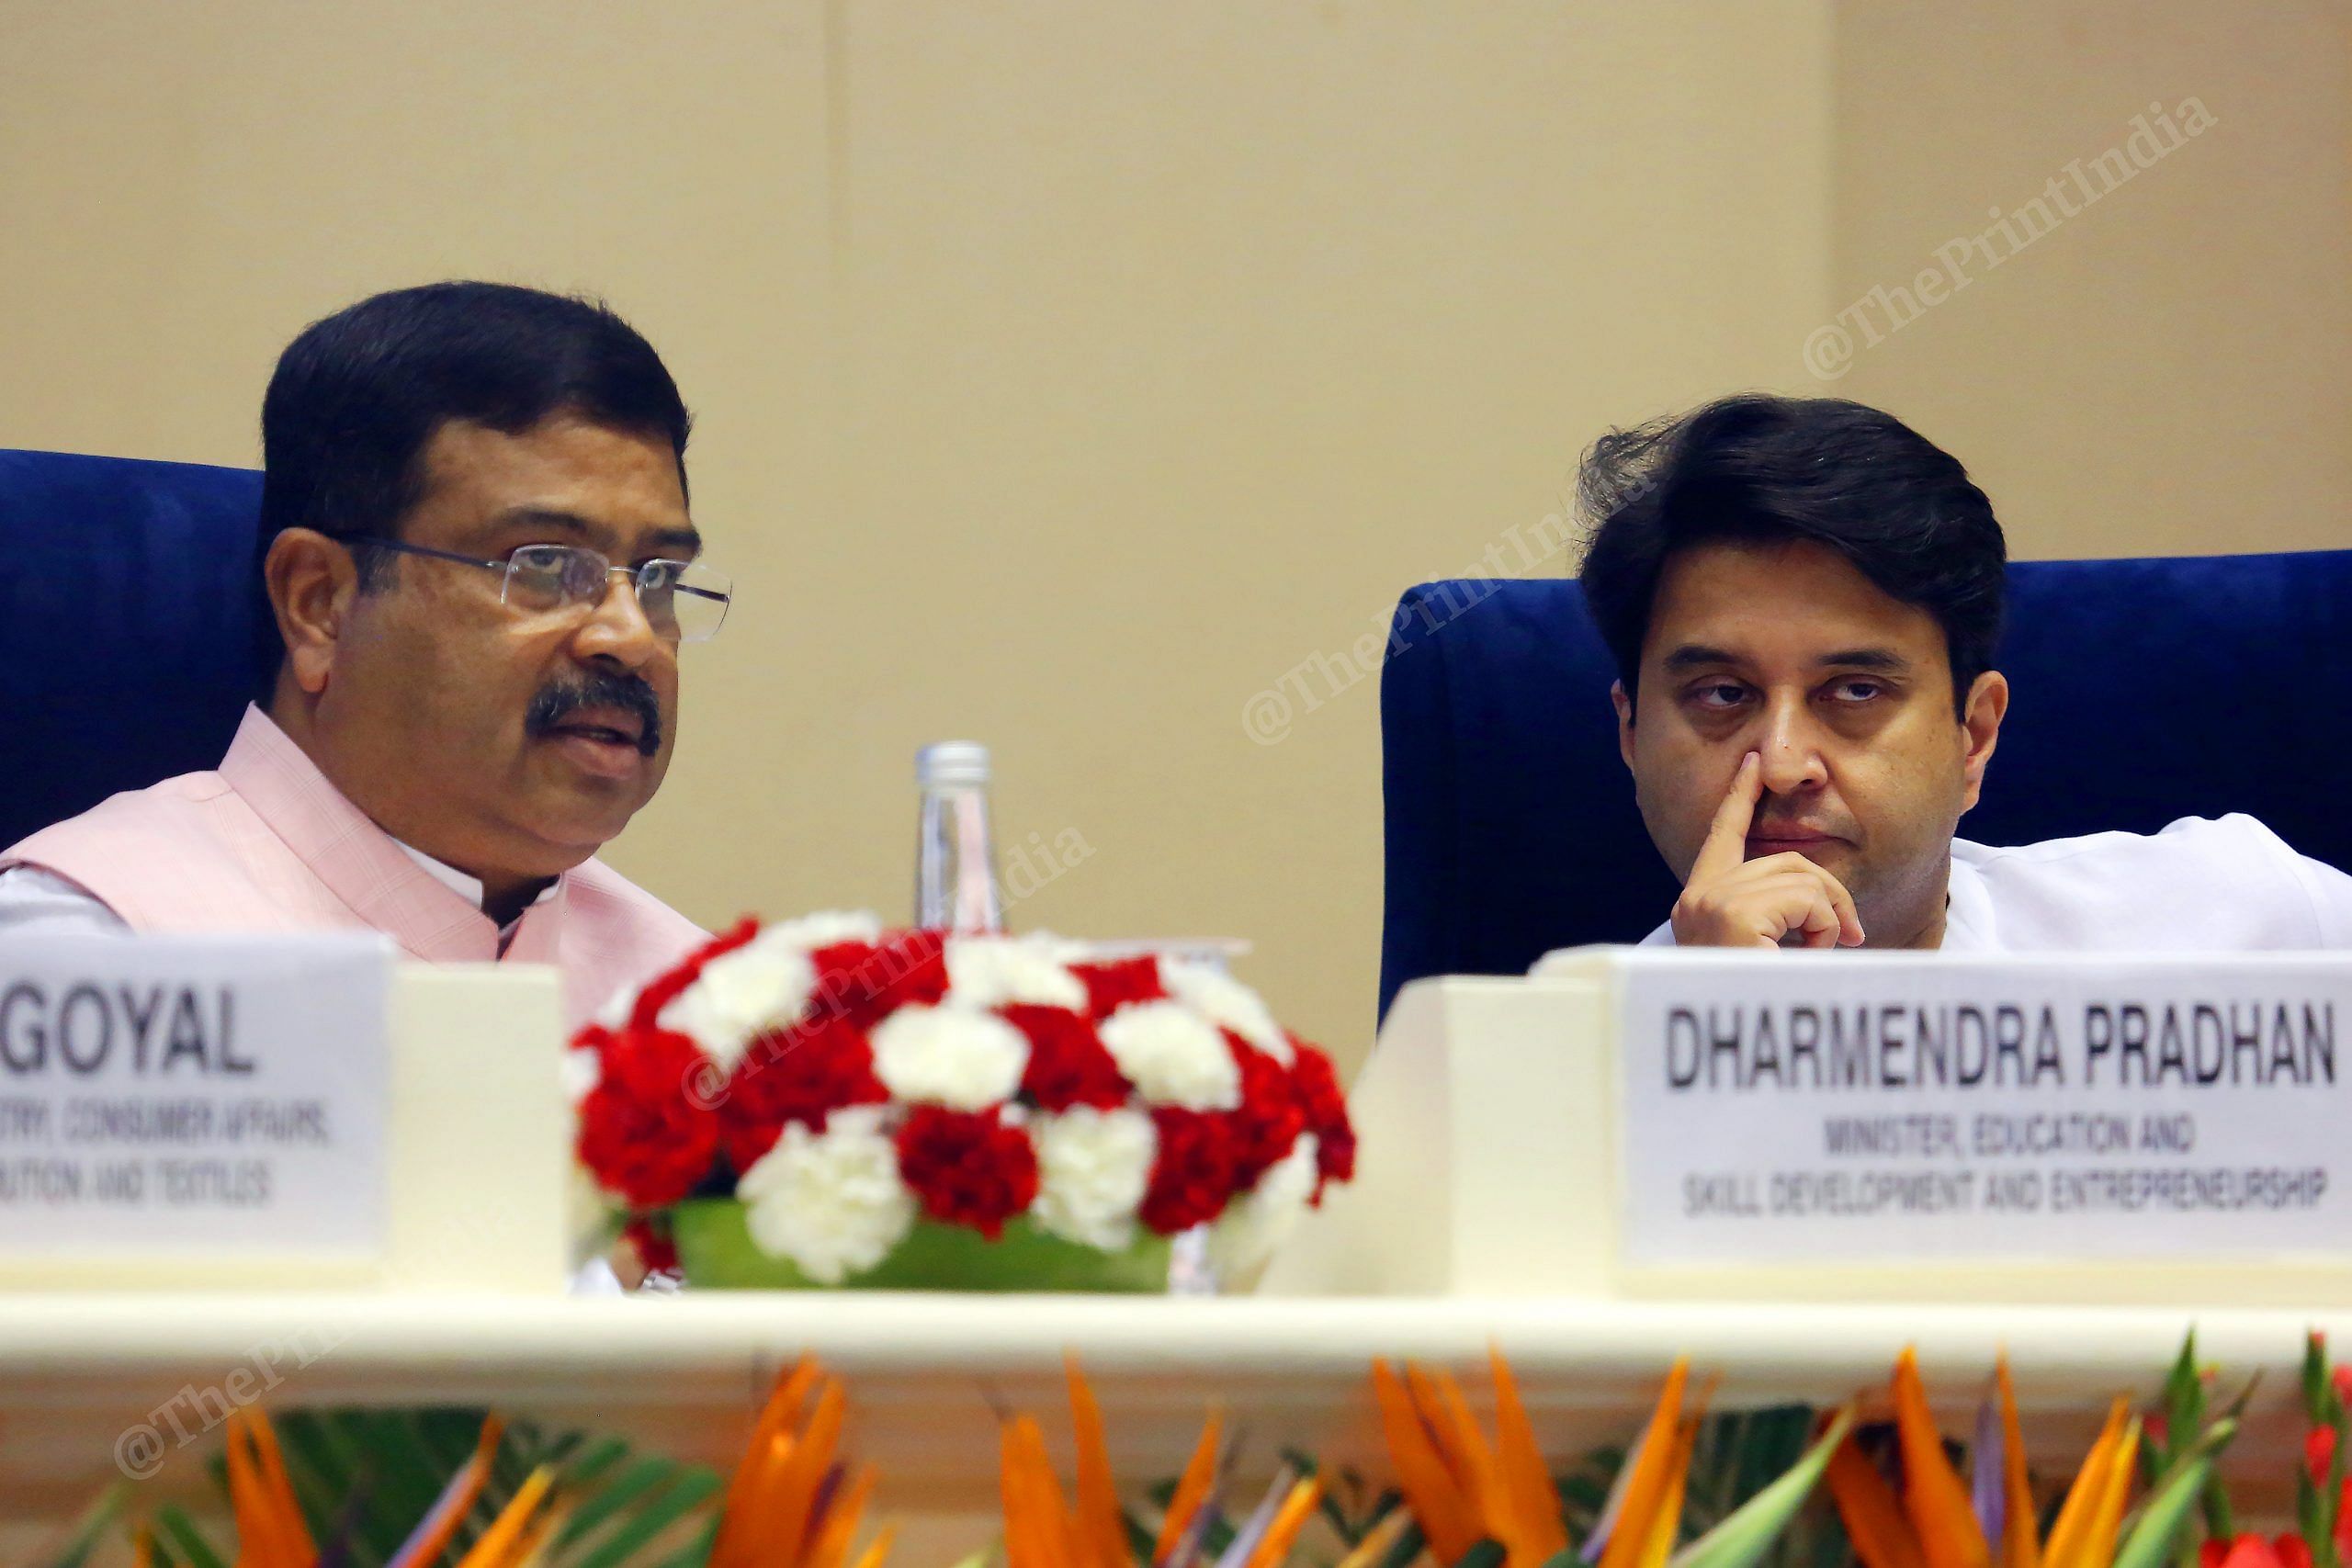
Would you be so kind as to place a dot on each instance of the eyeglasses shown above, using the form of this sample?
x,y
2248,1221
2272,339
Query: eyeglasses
x,y
683,600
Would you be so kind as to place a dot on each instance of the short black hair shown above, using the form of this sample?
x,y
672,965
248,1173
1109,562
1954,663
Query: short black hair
x,y
1760,468
357,395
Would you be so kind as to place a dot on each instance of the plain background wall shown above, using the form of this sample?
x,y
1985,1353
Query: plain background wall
x,y
2169,371
1068,372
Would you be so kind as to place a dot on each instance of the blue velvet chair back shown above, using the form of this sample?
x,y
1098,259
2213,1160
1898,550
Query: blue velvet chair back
x,y
2142,691
128,627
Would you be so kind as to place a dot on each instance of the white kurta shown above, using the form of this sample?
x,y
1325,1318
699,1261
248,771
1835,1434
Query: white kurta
x,y
2221,884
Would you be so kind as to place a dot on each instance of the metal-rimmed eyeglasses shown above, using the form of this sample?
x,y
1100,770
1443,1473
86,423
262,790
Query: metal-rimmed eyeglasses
x,y
682,601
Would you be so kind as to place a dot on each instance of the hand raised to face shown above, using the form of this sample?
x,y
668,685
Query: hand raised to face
x,y
1733,901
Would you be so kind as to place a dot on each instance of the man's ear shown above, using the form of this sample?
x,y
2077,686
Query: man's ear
x,y
1980,724
311,580
1624,720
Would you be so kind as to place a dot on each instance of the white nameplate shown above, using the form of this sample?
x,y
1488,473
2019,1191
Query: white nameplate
x,y
1788,1107
183,1097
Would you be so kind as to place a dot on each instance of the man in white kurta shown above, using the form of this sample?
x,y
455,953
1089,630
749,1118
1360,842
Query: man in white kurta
x,y
1803,598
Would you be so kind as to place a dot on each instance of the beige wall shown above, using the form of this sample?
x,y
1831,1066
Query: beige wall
x,y
2169,371
1069,371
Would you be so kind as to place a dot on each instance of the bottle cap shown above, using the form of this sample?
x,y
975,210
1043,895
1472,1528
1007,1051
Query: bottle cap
x,y
952,763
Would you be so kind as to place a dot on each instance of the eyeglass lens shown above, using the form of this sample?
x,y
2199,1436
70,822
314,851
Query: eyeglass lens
x,y
680,599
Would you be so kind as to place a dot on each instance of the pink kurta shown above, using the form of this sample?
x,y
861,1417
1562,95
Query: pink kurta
x,y
266,844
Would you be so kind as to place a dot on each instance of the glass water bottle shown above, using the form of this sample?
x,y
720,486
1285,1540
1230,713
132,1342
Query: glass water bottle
x,y
955,859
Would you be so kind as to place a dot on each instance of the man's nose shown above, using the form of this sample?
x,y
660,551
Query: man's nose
x,y
619,629
1790,747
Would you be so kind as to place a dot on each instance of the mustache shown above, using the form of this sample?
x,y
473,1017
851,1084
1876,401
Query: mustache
x,y
562,697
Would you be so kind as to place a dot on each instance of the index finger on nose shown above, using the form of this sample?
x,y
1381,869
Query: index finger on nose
x,y
1726,845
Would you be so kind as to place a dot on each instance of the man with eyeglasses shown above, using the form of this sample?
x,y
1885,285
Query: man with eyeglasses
x,y
479,568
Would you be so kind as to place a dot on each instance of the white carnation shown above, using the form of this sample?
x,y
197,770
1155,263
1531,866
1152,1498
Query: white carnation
x,y
827,927
1062,949
1092,1168
832,1202
1169,1054
1257,1222
1223,999
945,1056
582,1069
986,972
617,1008
758,986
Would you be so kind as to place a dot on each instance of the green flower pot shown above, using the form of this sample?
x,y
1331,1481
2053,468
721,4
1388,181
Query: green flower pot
x,y
716,1252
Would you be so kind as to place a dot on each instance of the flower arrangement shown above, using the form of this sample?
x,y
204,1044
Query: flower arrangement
x,y
327,1496
825,1101
2322,1536
1691,1490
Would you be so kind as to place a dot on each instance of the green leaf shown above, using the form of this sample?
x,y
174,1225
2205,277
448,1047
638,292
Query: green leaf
x,y
1409,1547
638,1481
173,1524
320,1481
589,1468
408,1476
83,1538
1140,1541
1486,1554
689,1491
2220,1522
339,1445
2147,1535
1744,1538
2236,1412
1347,1530
697,1551
2184,1399
1582,1491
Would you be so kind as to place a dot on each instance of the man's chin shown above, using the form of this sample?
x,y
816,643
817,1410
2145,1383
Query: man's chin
x,y
564,833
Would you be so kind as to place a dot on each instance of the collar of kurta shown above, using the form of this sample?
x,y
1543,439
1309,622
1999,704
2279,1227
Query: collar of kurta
x,y
367,867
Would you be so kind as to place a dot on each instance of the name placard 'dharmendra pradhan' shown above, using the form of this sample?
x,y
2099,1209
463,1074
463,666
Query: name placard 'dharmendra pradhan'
x,y
179,1096
1794,1105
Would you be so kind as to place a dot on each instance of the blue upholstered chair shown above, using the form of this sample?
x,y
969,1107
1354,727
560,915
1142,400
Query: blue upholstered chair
x,y
2142,691
129,633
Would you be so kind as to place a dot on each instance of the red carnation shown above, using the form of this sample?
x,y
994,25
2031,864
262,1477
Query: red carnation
x,y
652,1065
643,1132
803,1074
663,989
1317,1083
967,1166
1068,1064
1269,1117
866,983
1112,985
840,970
1191,1176
593,1037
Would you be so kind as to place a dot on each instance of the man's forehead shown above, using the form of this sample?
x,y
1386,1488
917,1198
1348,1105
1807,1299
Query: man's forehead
x,y
605,479
1783,599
